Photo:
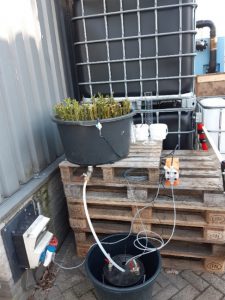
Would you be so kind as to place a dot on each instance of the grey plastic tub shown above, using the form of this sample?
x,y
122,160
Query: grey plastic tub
x,y
85,145
95,262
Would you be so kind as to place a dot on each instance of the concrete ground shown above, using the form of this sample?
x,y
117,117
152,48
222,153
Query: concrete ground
x,y
182,285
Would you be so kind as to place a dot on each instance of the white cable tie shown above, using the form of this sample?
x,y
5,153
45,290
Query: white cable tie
x,y
99,126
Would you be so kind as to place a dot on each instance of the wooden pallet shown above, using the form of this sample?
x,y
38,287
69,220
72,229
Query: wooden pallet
x,y
113,201
206,225
142,157
199,171
212,265
188,234
210,84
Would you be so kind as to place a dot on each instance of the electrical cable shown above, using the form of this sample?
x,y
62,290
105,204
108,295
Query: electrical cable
x,y
155,237
137,178
68,268
108,143
171,153
99,127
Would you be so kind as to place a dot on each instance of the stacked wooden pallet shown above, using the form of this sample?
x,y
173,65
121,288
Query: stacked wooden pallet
x,y
210,85
113,200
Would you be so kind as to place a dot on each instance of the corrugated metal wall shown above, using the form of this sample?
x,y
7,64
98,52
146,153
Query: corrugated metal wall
x,y
34,74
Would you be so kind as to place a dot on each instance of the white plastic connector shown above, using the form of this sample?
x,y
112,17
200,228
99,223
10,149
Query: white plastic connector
x,y
49,256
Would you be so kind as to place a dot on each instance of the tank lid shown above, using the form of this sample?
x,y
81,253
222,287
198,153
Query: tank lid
x,y
213,102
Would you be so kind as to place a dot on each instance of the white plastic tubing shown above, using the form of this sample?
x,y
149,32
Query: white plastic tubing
x,y
86,179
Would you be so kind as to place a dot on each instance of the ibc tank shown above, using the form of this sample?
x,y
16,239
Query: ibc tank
x,y
214,120
130,47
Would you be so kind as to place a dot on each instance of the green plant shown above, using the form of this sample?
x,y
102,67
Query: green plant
x,y
100,108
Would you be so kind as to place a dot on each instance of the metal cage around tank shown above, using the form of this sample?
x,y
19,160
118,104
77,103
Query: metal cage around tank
x,y
130,48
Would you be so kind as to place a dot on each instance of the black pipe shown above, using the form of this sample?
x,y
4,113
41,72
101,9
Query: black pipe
x,y
213,43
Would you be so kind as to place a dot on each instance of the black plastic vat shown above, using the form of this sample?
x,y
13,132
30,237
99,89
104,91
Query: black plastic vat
x,y
163,35
95,263
84,144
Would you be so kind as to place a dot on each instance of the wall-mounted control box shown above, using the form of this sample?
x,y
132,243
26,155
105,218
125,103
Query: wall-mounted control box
x,y
30,240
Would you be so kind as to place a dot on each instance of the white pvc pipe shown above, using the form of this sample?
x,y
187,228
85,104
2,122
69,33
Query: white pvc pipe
x,y
93,231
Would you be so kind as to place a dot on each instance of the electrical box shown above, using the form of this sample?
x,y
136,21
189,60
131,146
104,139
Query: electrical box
x,y
30,241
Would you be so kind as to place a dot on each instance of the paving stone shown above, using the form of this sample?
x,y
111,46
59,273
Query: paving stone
x,y
162,280
198,273
156,288
197,281
82,270
67,278
95,293
177,280
38,295
188,293
69,295
54,293
210,294
82,288
88,296
215,281
166,293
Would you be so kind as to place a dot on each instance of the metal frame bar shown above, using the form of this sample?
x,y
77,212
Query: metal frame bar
x,y
107,48
137,99
139,48
135,59
133,37
180,45
155,110
220,128
86,47
135,80
156,49
193,4
193,41
123,48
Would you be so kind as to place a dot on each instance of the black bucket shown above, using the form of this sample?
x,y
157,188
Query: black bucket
x,y
95,264
85,145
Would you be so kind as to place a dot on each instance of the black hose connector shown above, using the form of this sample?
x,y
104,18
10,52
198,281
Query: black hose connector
x,y
213,42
